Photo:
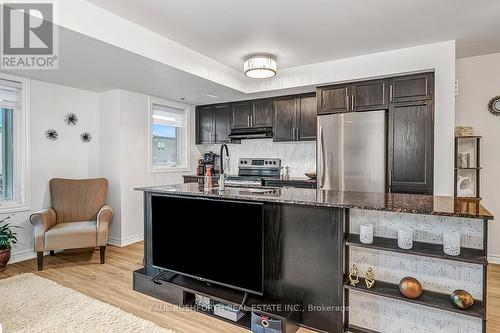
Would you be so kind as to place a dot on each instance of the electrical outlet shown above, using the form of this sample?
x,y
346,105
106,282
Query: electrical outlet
x,y
456,88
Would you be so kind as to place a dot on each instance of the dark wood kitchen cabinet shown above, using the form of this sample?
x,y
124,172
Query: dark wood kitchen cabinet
x,y
333,99
358,96
213,123
410,147
255,113
222,123
295,118
409,88
204,124
369,95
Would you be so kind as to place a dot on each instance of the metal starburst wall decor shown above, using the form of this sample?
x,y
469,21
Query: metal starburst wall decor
x,y
71,119
85,137
51,134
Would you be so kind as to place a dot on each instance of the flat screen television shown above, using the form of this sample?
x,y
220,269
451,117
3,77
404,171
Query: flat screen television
x,y
210,240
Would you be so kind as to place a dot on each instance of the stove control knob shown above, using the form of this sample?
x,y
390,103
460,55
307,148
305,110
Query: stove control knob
x,y
241,162
274,162
266,162
245,162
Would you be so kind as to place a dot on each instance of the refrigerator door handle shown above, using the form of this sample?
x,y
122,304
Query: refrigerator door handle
x,y
321,159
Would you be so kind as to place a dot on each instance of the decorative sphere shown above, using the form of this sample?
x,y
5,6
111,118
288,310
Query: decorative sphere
x,y
410,287
462,299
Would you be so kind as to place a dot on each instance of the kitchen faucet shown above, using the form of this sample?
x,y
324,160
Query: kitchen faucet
x,y
222,177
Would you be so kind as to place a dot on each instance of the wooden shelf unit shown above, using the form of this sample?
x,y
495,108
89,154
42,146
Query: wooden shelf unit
x,y
477,164
473,256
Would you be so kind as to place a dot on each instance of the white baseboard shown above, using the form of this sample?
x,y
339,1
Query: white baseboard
x,y
22,256
121,242
494,259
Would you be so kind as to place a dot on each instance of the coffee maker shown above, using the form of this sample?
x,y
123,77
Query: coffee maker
x,y
210,159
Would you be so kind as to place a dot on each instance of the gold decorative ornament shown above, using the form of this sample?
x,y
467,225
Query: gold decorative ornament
x,y
370,278
410,287
354,275
462,299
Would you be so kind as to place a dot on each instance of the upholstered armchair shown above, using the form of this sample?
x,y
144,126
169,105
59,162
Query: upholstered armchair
x,y
78,218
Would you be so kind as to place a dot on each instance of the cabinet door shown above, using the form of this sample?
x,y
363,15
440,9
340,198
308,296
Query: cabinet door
x,y
204,124
412,87
370,95
222,120
411,133
307,118
333,99
284,119
262,113
240,114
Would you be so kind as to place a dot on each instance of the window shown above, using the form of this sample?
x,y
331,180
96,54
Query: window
x,y
13,144
169,136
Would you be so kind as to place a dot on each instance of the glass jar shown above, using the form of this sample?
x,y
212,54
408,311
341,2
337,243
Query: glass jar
x,y
405,238
451,243
366,233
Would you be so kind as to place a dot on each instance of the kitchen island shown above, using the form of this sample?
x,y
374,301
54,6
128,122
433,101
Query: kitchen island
x,y
311,239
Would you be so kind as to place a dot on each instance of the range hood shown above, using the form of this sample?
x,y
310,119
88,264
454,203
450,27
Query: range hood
x,y
251,133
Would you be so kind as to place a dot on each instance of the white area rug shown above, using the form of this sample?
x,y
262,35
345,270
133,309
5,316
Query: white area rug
x,y
29,303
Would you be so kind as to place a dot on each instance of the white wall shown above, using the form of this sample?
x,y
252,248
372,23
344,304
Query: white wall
x,y
300,156
65,157
479,81
129,162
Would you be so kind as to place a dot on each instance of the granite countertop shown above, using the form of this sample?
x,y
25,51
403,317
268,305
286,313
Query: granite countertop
x,y
394,202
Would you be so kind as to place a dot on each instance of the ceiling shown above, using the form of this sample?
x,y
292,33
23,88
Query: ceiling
x,y
312,31
90,64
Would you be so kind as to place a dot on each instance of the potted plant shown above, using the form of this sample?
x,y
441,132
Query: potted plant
x,y
7,238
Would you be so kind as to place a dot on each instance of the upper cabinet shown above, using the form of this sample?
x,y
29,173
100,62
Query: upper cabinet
x,y
295,118
333,99
357,96
411,88
262,113
213,123
369,95
256,113
204,124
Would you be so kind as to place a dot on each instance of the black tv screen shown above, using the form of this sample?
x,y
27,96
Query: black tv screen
x,y
211,240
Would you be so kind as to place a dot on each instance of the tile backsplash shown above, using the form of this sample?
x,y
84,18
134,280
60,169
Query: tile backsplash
x,y
300,156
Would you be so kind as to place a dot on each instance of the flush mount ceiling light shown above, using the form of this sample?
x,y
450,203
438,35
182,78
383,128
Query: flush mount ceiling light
x,y
260,66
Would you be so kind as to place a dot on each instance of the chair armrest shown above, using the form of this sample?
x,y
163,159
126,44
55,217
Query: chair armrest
x,y
103,218
42,221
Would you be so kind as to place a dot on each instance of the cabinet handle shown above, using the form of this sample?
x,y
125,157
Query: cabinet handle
x,y
297,134
251,120
390,93
248,121
347,101
352,102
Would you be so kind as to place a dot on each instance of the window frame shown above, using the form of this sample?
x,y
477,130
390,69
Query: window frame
x,y
21,187
154,169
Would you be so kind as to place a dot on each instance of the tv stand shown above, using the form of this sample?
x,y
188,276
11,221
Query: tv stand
x,y
181,290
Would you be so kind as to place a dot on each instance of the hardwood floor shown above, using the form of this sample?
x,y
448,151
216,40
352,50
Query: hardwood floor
x,y
112,283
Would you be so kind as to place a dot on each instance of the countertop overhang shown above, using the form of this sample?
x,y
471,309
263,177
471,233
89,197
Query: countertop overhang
x,y
392,202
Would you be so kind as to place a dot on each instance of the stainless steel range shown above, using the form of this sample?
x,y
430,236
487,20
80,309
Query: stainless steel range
x,y
253,171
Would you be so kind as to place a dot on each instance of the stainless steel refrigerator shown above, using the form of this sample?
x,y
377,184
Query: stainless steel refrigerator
x,y
351,152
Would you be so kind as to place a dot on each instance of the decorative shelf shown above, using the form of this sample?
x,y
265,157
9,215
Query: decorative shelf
x,y
473,256
428,298
468,136
357,329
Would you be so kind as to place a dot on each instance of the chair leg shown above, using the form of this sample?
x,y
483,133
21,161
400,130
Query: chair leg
x,y
52,253
39,259
102,250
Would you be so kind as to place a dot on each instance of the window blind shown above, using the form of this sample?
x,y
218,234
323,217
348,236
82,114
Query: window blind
x,y
168,116
10,94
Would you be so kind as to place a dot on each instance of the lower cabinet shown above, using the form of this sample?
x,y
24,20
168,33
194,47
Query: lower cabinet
x,y
410,148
